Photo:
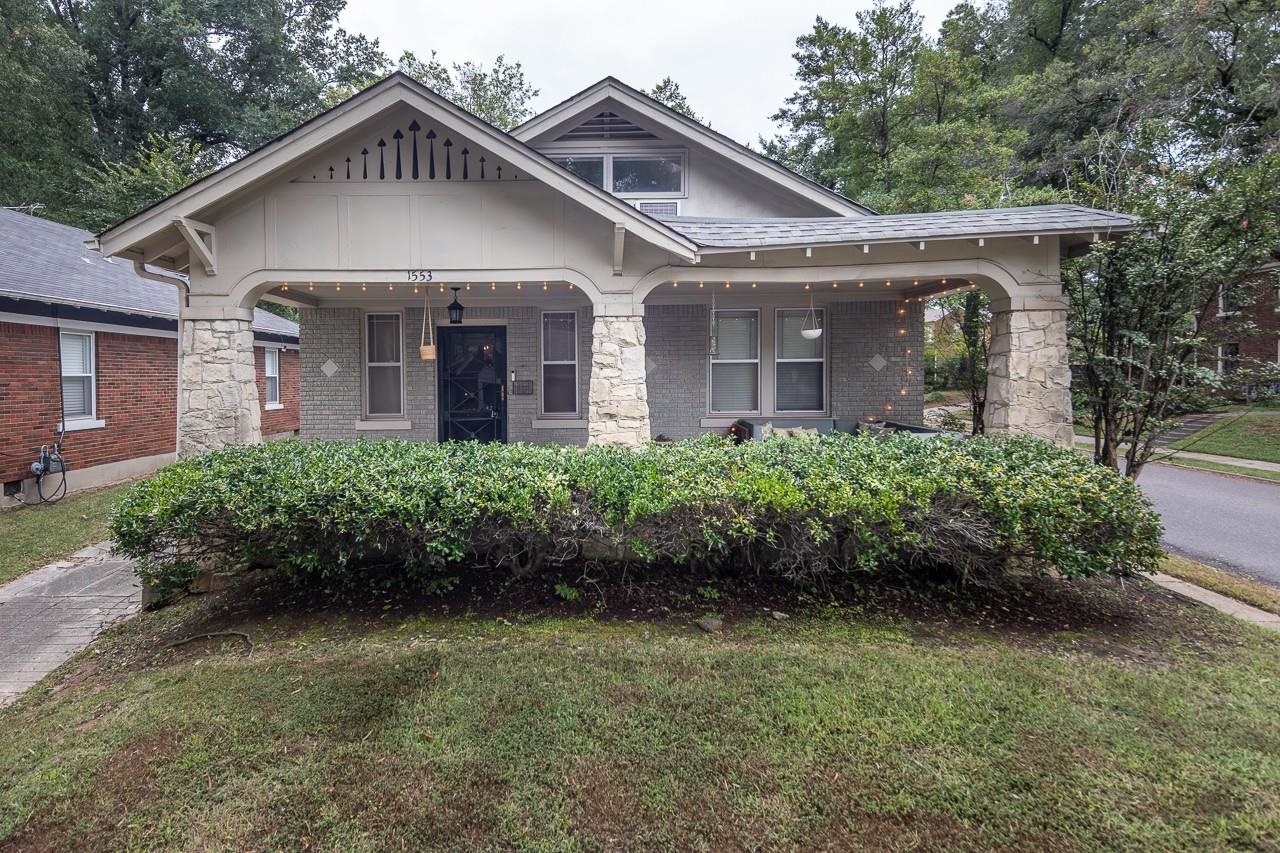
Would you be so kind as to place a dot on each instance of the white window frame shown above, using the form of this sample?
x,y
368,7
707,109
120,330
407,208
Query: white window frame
x,y
712,361
90,420
542,363
268,353
681,154
364,358
778,359
1222,305
1222,357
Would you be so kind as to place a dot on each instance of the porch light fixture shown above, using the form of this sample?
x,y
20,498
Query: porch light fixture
x,y
455,308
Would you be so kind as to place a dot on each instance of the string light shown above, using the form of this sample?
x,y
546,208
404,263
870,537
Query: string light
x,y
519,285
835,285
468,285
415,288
285,286
675,284
442,288
701,283
544,285
915,282
339,288
807,286
888,284
571,285
391,287
753,285
726,285
364,286
311,285
861,283
493,285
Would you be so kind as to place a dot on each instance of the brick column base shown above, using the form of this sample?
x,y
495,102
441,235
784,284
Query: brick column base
x,y
618,405
219,400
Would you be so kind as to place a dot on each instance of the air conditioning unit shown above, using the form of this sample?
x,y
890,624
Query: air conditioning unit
x,y
659,208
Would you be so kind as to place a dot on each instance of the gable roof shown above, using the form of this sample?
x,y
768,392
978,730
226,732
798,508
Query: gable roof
x,y
1045,219
646,107
272,158
48,262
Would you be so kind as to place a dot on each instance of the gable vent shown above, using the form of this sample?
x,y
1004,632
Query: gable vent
x,y
660,209
607,125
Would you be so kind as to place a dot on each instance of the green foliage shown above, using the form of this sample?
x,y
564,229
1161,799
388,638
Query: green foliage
x,y
340,514
163,165
500,95
668,93
567,592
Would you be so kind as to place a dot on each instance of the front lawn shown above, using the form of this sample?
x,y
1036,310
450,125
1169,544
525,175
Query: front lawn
x,y
1087,715
1253,434
32,536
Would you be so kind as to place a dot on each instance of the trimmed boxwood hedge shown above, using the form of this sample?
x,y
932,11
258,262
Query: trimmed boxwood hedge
x,y
346,513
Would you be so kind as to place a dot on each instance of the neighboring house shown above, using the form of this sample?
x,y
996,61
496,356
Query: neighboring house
x,y
86,341
618,272
1255,300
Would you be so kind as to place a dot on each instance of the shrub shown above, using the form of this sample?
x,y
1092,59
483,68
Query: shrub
x,y
336,513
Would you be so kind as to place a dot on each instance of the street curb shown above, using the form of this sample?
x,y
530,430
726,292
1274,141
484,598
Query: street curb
x,y
1218,601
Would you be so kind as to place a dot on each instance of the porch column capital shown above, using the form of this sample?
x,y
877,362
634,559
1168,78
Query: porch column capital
x,y
1031,302
618,404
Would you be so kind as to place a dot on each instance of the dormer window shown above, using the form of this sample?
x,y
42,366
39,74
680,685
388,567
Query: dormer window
x,y
631,175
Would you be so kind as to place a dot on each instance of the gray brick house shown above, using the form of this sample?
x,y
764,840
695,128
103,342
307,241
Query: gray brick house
x,y
616,271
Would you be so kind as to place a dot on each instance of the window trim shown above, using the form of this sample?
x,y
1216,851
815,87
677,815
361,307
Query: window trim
x,y
268,400
1223,358
778,359
712,361
91,418
1223,311
576,414
681,154
364,359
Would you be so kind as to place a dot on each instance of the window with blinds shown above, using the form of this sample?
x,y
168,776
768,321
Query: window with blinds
x,y
272,371
799,364
559,363
383,365
735,363
77,375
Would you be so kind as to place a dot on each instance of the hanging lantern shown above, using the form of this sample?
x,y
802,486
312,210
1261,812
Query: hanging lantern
x,y
427,351
455,308
811,331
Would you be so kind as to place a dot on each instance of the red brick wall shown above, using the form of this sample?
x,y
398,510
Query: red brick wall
x,y
1264,315
136,377
277,421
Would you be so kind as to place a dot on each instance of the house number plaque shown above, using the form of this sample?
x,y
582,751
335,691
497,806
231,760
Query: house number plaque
x,y
418,275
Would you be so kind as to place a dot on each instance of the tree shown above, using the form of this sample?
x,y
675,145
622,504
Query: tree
x,y
968,315
668,93
500,95
228,75
1205,224
44,127
112,191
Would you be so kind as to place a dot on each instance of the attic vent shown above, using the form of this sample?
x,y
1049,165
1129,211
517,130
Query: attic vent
x,y
659,208
607,125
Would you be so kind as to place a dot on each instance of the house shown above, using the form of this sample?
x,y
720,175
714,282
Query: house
x,y
89,343
608,272
1247,321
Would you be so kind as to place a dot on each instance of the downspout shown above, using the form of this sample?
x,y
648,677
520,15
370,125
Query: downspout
x,y
184,298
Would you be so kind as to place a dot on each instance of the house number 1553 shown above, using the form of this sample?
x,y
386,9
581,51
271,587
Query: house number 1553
x,y
418,275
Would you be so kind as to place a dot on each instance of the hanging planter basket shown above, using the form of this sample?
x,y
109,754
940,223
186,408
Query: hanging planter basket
x,y
811,331
427,351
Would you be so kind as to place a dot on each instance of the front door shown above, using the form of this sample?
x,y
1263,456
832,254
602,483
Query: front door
x,y
473,383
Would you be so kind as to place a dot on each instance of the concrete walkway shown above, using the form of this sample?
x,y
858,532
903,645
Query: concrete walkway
x,y
1218,602
1168,454
48,615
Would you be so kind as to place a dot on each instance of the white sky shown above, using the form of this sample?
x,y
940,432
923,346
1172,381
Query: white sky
x,y
732,58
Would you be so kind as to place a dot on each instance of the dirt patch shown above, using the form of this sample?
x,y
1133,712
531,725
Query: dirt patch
x,y
126,781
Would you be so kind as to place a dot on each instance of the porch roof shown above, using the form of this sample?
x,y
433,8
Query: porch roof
x,y
1048,219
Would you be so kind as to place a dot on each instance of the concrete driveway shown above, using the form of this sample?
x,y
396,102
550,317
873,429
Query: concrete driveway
x,y
1224,521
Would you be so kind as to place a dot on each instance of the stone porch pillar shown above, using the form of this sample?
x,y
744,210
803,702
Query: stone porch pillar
x,y
618,405
218,399
1029,373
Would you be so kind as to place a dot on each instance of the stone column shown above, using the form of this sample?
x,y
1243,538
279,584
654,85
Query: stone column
x,y
1029,373
218,403
618,405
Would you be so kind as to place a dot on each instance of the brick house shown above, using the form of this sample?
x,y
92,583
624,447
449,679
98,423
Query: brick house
x,y
1247,321
87,342
608,272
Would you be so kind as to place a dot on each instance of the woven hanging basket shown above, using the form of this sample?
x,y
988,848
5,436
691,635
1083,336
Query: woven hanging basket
x,y
427,351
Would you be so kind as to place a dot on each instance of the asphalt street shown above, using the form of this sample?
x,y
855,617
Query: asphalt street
x,y
1224,521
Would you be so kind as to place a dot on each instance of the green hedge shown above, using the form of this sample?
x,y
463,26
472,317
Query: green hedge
x,y
337,513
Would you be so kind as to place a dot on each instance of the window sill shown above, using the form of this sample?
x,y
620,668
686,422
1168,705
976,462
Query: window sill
x,y
380,425
273,407
83,423
559,423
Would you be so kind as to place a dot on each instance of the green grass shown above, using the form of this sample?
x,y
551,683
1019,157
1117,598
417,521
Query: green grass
x,y
1223,468
1260,595
1251,434
32,536
1082,717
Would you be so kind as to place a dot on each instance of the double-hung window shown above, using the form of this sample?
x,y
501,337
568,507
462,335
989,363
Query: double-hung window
x,y
384,364
799,363
271,368
735,361
77,375
559,363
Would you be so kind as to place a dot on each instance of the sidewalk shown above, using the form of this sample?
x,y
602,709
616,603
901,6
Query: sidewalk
x,y
1167,453
1219,602
48,615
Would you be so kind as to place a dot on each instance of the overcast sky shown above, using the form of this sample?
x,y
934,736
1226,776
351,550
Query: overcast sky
x,y
732,58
